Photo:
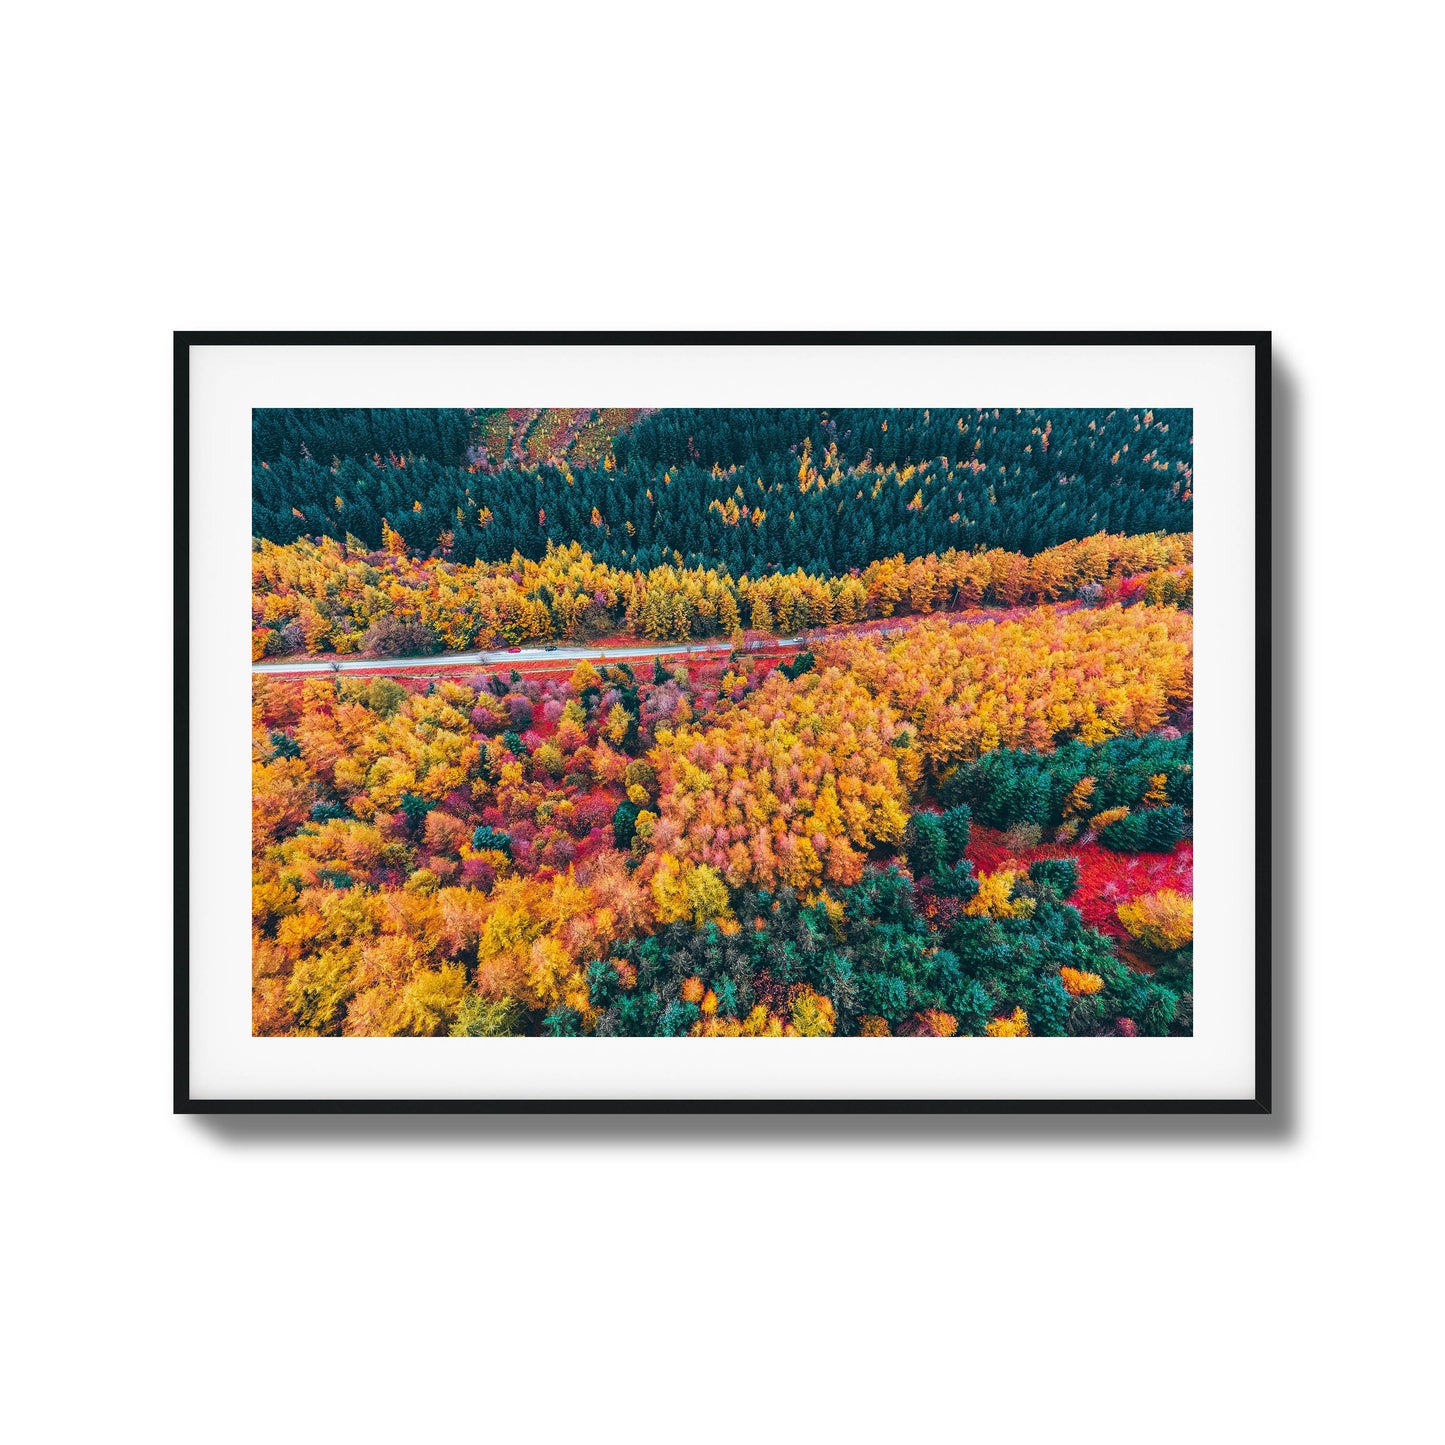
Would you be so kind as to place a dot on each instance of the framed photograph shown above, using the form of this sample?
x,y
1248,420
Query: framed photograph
x,y
722,722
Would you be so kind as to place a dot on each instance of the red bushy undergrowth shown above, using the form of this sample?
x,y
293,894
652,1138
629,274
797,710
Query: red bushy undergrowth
x,y
1106,879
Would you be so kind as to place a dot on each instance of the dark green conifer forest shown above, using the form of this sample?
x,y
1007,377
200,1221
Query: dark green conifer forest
x,y
751,491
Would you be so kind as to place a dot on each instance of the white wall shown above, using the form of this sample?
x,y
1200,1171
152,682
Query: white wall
x,y
1014,167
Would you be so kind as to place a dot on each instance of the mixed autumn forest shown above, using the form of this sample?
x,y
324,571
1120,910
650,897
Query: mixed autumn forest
x,y
862,722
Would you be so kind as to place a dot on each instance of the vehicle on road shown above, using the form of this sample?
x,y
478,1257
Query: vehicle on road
x,y
550,647
514,649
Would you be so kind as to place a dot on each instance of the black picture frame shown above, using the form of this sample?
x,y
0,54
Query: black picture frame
x,y
1262,1102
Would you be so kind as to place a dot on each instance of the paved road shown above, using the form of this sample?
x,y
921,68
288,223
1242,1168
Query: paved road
x,y
505,657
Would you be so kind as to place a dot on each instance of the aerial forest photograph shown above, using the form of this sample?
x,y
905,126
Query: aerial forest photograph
x,y
696,723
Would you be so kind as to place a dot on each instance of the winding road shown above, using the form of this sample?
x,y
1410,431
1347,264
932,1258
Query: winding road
x,y
507,656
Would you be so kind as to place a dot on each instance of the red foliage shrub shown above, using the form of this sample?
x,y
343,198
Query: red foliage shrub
x,y
490,717
594,811
478,873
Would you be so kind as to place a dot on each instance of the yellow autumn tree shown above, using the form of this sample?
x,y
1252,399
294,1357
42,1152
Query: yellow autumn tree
x,y
618,721
1015,1026
812,1015
995,899
1162,920
688,892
